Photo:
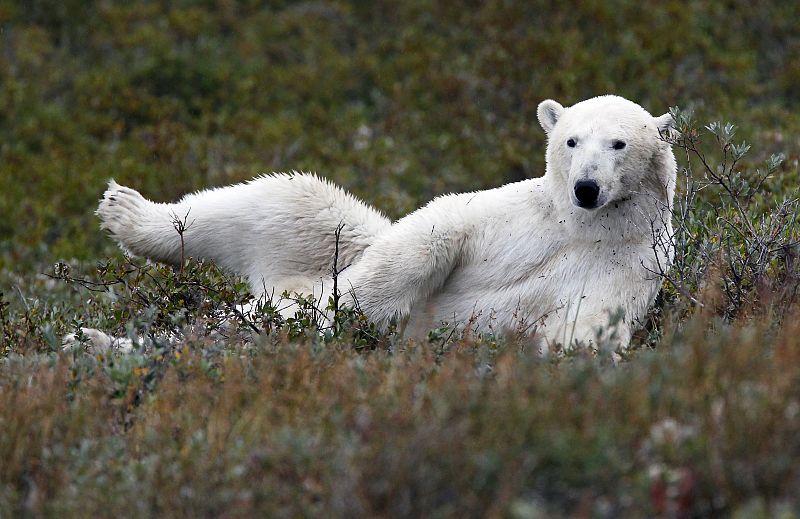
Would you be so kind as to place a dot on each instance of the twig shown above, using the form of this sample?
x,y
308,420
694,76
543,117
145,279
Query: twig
x,y
180,226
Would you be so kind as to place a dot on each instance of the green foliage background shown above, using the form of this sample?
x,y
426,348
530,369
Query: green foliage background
x,y
398,102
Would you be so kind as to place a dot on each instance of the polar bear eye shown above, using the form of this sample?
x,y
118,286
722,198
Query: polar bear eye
x,y
571,143
618,145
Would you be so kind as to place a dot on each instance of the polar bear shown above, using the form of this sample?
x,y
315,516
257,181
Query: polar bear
x,y
556,254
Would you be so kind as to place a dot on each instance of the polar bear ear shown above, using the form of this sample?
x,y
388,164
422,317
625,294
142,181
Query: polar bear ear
x,y
548,112
665,123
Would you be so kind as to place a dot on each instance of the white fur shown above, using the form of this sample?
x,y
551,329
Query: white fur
x,y
521,256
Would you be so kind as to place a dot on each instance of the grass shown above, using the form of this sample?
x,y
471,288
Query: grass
x,y
705,424
398,102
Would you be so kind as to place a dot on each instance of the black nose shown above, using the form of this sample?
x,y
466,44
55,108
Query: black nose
x,y
586,192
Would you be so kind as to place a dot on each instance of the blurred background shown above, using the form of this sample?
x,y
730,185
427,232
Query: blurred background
x,y
397,101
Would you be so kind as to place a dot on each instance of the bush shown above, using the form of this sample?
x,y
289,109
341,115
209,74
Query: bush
x,y
735,230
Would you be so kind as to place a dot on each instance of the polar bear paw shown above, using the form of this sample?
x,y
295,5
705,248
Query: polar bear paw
x,y
96,341
122,211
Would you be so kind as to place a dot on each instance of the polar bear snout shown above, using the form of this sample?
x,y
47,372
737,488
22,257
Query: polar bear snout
x,y
586,194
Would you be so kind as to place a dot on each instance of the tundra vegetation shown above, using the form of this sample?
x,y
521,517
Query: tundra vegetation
x,y
398,102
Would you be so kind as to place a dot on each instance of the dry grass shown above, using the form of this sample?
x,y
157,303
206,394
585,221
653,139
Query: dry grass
x,y
703,425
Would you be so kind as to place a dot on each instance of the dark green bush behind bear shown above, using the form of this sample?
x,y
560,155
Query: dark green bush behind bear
x,y
397,101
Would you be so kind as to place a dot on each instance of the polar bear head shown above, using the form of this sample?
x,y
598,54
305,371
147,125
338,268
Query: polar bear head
x,y
606,150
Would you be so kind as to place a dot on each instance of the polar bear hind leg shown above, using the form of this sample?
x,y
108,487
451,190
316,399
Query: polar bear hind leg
x,y
272,229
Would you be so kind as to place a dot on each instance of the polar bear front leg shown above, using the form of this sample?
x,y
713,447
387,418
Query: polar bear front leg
x,y
405,265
